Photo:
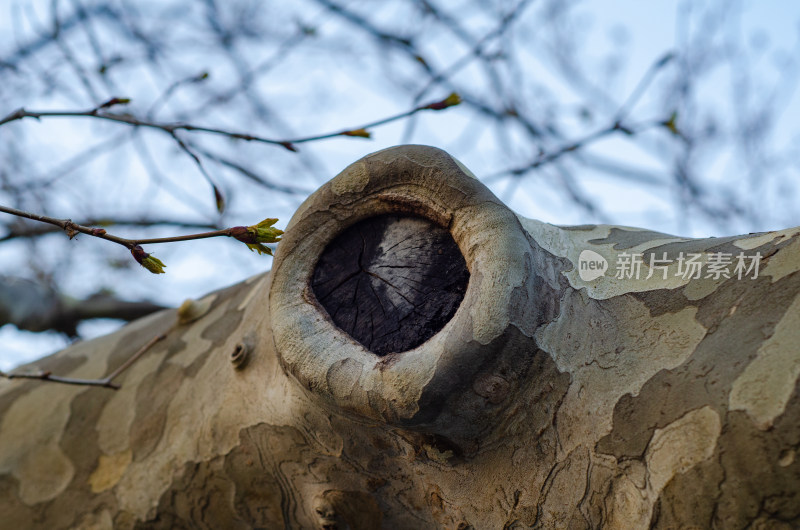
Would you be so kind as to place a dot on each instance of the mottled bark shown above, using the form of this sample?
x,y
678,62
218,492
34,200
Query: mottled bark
x,y
551,398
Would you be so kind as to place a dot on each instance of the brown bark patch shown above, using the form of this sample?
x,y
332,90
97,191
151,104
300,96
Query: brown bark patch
x,y
706,377
355,510
745,484
153,397
625,239
200,497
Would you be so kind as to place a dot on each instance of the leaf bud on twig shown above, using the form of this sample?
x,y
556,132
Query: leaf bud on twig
x,y
148,261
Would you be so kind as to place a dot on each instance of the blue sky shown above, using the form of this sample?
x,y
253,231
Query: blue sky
x,y
338,85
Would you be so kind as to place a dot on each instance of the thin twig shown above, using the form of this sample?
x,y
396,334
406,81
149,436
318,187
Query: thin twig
x,y
127,364
251,174
128,119
477,46
547,158
72,228
106,382
641,87
253,236
30,231
47,376
220,202
171,128
436,105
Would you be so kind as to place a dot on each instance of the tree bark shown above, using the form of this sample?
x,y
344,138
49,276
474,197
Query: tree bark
x,y
556,395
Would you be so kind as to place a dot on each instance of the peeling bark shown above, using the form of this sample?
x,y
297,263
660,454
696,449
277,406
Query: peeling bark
x,y
545,400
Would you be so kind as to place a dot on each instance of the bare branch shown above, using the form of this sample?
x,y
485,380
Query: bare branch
x,y
172,128
28,230
571,147
106,382
252,236
34,306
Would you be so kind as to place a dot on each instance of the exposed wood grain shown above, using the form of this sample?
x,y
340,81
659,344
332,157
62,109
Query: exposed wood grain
x,y
391,282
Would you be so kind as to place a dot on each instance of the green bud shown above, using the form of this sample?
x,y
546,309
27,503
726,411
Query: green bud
x,y
253,236
219,200
450,101
264,232
361,133
114,101
153,264
672,124
258,247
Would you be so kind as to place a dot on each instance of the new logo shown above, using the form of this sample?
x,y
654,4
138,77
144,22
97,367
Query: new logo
x,y
591,265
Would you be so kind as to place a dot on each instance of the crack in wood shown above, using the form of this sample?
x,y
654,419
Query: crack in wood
x,y
391,282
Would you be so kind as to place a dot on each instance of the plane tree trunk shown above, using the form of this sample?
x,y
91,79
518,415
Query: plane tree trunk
x,y
421,357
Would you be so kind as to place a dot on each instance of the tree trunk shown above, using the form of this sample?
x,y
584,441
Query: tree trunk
x,y
421,357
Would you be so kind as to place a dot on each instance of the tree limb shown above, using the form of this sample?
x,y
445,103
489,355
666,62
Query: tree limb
x,y
32,306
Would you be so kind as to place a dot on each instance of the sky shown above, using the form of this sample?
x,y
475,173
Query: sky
x,y
318,95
